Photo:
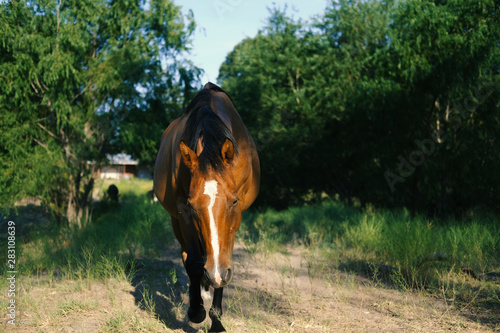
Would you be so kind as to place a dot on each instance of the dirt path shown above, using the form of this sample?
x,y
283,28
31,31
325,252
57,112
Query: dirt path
x,y
279,292
301,295
292,292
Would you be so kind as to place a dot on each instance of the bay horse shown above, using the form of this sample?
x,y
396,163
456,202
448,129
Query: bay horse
x,y
207,173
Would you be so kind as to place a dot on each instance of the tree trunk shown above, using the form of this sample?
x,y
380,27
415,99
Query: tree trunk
x,y
72,211
78,204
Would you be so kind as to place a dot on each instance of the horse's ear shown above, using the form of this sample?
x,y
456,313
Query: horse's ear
x,y
228,151
188,156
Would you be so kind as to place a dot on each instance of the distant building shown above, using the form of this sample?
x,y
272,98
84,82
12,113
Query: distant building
x,y
121,166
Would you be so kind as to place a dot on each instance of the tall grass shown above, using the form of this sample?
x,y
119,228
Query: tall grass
x,y
104,247
416,251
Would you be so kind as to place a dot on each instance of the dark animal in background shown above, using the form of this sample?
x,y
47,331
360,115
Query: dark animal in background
x,y
113,192
207,173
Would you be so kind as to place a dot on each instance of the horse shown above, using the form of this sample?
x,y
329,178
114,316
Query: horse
x,y
207,173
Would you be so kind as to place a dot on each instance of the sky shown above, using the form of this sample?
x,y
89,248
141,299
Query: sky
x,y
222,24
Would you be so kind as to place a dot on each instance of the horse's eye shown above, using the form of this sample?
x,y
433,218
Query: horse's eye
x,y
190,207
234,202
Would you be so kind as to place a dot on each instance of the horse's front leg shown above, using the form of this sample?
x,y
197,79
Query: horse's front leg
x,y
216,311
196,311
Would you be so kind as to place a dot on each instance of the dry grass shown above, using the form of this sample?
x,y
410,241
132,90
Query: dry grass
x,y
70,306
288,291
295,284
278,293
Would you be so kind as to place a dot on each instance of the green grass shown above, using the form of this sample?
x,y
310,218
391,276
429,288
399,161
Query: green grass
x,y
104,247
395,247
410,252
77,306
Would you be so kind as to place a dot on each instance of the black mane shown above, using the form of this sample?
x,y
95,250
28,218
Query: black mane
x,y
203,122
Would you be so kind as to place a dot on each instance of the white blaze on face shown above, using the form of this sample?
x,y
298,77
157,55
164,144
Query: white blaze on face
x,y
211,191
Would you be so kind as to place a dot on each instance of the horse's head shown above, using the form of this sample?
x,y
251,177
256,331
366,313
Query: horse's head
x,y
214,209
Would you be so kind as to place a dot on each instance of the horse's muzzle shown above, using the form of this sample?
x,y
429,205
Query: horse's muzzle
x,y
219,279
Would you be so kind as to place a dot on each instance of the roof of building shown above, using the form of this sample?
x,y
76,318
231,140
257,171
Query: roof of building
x,y
121,159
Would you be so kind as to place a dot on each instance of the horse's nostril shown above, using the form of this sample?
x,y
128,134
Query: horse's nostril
x,y
229,274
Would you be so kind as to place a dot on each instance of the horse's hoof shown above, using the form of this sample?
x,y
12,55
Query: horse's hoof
x,y
197,316
217,326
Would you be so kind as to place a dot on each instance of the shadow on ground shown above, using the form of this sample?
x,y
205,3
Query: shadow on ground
x,y
161,286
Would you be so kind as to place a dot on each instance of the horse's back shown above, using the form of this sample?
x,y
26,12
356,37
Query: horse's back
x,y
171,177
246,166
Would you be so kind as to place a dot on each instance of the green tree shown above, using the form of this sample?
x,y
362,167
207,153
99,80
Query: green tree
x,y
446,54
342,105
293,84
146,118
70,72
267,77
